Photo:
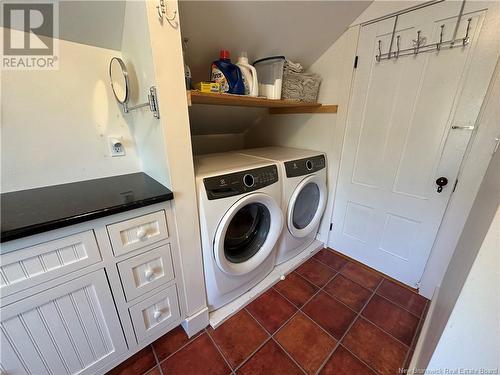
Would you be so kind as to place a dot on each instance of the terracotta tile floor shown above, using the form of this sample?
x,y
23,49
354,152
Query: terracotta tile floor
x,y
329,316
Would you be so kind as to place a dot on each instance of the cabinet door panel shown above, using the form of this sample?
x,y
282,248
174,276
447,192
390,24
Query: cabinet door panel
x,y
72,328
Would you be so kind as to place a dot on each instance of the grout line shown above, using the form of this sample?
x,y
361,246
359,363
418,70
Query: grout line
x,y
398,305
383,330
349,328
376,325
156,359
359,359
384,277
289,355
245,360
220,351
271,336
191,340
147,371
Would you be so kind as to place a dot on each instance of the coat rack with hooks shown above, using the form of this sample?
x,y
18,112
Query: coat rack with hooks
x,y
419,44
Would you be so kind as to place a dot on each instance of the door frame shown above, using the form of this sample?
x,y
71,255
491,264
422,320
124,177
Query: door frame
x,y
476,158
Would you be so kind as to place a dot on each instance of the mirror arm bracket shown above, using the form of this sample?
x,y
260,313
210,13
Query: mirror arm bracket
x,y
152,103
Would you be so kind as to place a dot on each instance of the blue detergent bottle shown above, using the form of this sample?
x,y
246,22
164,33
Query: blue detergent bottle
x,y
228,75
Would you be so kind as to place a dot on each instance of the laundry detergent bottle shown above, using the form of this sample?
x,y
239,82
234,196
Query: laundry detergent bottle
x,y
249,75
228,75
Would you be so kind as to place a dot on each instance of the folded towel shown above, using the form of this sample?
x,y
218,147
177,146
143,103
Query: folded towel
x,y
298,85
293,67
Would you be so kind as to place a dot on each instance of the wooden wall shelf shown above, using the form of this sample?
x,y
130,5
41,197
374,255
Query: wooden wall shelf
x,y
275,106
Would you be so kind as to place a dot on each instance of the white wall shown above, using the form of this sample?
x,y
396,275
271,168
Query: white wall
x,y
55,123
471,338
146,130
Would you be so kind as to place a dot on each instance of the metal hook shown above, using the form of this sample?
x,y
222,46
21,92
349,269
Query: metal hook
x,y
417,42
379,51
438,45
466,38
397,46
162,12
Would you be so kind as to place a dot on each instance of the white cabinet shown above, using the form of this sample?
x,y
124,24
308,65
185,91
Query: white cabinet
x,y
69,329
81,299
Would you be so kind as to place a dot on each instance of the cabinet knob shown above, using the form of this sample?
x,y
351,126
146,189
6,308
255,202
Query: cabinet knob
x,y
157,315
149,273
141,233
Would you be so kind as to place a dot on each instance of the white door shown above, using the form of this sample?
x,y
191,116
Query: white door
x,y
399,140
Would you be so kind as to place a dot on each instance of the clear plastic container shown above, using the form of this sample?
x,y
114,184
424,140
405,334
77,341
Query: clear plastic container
x,y
270,76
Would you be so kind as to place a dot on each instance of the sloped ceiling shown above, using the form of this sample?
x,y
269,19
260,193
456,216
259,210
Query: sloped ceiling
x,y
300,30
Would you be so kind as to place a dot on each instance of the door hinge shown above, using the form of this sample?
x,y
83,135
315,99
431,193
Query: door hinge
x,y
355,62
455,186
331,226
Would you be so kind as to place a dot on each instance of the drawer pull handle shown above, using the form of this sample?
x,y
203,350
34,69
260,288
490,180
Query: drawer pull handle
x,y
149,273
157,315
141,233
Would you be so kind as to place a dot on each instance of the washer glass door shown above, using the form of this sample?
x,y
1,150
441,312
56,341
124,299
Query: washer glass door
x,y
247,234
306,206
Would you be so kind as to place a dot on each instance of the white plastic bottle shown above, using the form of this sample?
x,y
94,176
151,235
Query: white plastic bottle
x,y
249,74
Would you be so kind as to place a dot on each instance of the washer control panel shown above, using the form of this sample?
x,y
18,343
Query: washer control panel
x,y
301,167
231,184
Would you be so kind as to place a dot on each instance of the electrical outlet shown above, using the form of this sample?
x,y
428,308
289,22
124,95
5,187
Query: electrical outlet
x,y
116,147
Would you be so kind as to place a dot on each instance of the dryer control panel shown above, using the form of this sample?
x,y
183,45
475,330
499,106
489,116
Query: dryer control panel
x,y
236,183
301,167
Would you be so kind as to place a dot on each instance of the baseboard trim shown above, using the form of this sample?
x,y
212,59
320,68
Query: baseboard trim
x,y
196,322
415,363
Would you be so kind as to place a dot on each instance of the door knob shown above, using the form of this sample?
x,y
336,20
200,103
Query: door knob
x,y
440,182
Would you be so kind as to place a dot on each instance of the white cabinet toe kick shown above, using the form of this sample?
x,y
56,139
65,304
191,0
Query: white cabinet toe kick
x,y
82,299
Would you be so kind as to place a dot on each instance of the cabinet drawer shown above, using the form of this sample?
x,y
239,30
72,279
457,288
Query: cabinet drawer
x,y
145,272
156,312
135,233
34,265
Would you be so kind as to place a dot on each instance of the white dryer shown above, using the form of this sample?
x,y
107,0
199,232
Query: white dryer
x,y
241,220
304,195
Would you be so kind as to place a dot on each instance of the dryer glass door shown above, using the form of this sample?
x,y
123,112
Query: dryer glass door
x,y
246,232
306,206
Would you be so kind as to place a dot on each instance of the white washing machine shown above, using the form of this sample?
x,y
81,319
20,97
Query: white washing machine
x,y
241,221
304,195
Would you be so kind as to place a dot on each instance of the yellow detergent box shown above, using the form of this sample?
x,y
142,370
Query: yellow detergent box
x,y
207,86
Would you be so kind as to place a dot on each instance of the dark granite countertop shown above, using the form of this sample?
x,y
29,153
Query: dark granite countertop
x,y
28,212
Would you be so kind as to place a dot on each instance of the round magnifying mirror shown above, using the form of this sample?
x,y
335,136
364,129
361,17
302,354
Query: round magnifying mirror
x,y
119,79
